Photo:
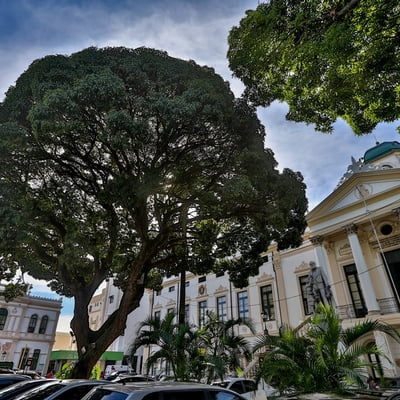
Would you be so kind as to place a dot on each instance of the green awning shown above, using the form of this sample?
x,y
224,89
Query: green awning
x,y
73,355
64,355
112,356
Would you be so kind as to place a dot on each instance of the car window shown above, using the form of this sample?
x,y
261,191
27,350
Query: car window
x,y
184,395
74,393
151,396
215,395
237,387
40,393
106,394
10,392
249,386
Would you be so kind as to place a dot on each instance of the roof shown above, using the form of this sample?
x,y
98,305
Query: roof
x,y
380,150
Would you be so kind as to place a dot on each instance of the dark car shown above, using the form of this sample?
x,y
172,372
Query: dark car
x,y
10,392
9,379
167,391
64,389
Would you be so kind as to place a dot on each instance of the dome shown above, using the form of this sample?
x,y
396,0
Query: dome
x,y
380,150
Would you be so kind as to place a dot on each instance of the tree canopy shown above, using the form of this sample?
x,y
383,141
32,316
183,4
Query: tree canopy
x,y
327,59
114,160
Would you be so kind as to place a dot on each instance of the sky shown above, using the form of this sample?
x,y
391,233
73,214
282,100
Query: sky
x,y
187,29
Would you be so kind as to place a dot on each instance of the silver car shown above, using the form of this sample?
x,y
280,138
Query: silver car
x,y
161,391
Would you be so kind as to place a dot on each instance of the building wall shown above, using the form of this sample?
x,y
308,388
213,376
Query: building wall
x,y
16,339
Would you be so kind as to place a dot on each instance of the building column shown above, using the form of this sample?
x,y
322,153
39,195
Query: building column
x,y
362,270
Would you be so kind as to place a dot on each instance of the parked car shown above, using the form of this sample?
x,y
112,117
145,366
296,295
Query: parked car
x,y
248,388
9,379
126,378
10,392
65,389
32,374
169,391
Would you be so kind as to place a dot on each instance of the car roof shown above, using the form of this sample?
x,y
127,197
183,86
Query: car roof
x,y
156,386
16,376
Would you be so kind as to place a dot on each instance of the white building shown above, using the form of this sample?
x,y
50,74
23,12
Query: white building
x,y
353,236
27,332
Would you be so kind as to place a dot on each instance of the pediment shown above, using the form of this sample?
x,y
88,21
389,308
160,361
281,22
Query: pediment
x,y
360,189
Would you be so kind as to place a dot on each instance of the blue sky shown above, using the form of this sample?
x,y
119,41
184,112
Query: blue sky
x,y
197,30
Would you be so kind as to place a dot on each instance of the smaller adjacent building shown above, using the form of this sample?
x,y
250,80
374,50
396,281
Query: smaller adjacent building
x,y
27,332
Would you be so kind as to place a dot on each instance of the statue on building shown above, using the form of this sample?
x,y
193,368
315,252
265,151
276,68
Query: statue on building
x,y
317,288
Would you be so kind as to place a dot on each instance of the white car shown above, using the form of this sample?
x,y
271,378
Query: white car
x,y
248,388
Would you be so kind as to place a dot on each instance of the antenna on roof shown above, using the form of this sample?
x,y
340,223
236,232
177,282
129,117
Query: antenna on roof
x,y
376,140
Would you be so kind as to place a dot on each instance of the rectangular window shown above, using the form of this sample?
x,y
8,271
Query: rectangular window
x,y
170,310
23,358
3,318
158,293
187,313
267,303
303,281
171,289
202,313
353,284
219,274
187,283
157,315
111,299
221,308
35,359
202,279
243,305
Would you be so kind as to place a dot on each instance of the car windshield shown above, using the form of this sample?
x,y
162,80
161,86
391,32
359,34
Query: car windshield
x,y
13,386
20,387
40,393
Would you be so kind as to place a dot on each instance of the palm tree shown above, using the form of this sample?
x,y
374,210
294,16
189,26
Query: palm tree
x,y
176,344
224,349
325,358
194,354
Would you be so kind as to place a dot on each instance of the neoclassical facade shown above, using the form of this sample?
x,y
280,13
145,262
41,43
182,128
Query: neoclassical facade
x,y
353,236
27,332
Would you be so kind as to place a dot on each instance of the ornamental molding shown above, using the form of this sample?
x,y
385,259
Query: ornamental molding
x,y
265,277
317,240
351,228
221,289
303,267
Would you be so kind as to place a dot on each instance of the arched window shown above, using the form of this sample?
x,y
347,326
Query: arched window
x,y
3,318
43,324
32,323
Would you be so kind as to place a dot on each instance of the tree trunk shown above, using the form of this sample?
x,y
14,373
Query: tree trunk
x,y
182,296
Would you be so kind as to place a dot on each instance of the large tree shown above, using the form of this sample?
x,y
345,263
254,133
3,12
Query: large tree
x,y
120,162
327,59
